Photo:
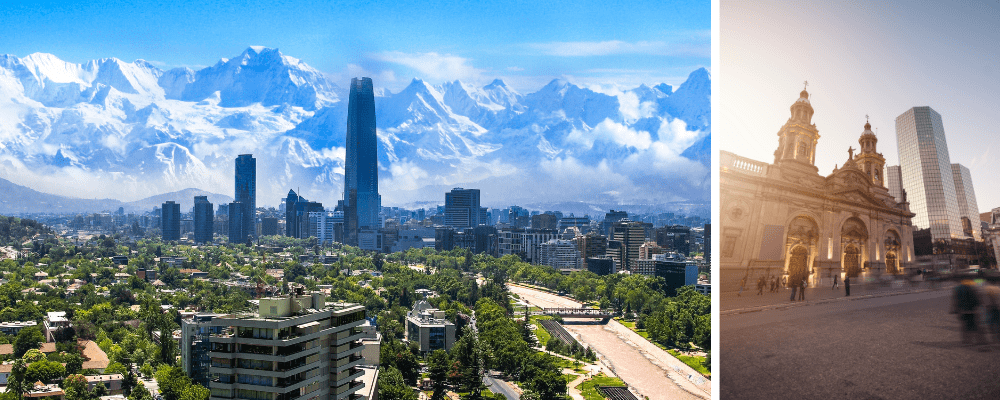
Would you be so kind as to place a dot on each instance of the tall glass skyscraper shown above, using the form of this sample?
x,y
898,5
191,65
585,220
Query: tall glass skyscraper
x,y
926,173
362,202
246,194
170,221
204,218
968,210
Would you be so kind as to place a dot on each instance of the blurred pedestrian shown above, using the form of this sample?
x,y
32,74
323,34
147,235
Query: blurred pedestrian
x,y
847,285
965,302
802,289
992,300
784,281
794,287
836,281
774,284
760,285
743,283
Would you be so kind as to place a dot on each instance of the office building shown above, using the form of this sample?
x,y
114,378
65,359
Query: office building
x,y
428,327
246,193
237,232
325,226
12,328
461,208
631,235
544,221
894,181
560,254
611,218
268,226
362,201
601,265
968,209
292,347
204,218
675,273
926,173
297,210
170,221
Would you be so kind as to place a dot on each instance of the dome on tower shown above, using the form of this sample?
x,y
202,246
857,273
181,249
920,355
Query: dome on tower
x,y
803,97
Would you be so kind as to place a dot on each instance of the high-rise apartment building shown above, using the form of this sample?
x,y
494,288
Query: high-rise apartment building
x,y
204,219
461,208
292,347
610,219
170,221
968,209
237,234
632,235
246,193
297,210
925,169
362,202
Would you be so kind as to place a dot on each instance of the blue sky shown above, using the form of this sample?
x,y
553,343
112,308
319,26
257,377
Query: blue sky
x,y
527,43
862,58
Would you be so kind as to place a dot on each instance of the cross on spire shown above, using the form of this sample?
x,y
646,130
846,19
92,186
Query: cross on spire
x,y
806,85
866,117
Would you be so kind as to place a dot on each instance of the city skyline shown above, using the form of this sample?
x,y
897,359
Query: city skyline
x,y
861,59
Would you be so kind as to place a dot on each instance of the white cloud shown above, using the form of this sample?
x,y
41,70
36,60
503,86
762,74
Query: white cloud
x,y
699,48
675,135
433,66
515,69
611,131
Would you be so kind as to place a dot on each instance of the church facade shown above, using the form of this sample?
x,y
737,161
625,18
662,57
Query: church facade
x,y
785,219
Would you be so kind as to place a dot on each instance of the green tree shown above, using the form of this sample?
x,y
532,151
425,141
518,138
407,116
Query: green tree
x,y
468,364
75,387
140,393
195,392
17,382
74,362
29,338
392,387
438,367
45,371
172,381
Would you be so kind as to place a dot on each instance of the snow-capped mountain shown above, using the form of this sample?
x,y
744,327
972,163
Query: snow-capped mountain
x,y
109,128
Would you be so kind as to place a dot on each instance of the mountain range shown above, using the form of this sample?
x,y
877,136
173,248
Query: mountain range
x,y
113,129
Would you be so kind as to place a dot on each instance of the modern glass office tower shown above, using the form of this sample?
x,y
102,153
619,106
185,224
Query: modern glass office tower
x,y
362,202
170,221
246,194
968,210
204,218
894,180
927,175
461,208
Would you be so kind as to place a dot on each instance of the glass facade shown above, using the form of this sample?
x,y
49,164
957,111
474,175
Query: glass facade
x,y
967,207
925,168
894,179
362,202
204,218
246,193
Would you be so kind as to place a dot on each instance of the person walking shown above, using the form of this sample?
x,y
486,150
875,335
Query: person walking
x,y
802,289
743,283
760,285
992,297
847,285
794,287
836,281
965,301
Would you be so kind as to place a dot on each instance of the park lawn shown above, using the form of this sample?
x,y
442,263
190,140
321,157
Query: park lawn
x,y
698,363
588,388
576,366
542,334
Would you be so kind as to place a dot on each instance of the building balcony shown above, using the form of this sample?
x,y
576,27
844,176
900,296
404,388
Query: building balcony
x,y
354,373
348,362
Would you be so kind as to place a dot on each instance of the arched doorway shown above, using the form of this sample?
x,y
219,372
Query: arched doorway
x,y
852,261
854,241
891,250
798,264
802,239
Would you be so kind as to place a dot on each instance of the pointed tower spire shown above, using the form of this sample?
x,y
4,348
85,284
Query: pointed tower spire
x,y
869,159
797,138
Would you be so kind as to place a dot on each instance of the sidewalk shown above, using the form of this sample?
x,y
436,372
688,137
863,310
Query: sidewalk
x,y
750,301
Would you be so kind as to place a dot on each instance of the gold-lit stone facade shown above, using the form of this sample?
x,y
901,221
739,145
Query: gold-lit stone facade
x,y
786,219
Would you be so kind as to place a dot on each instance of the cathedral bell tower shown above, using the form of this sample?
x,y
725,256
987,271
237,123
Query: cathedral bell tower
x,y
869,160
797,138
